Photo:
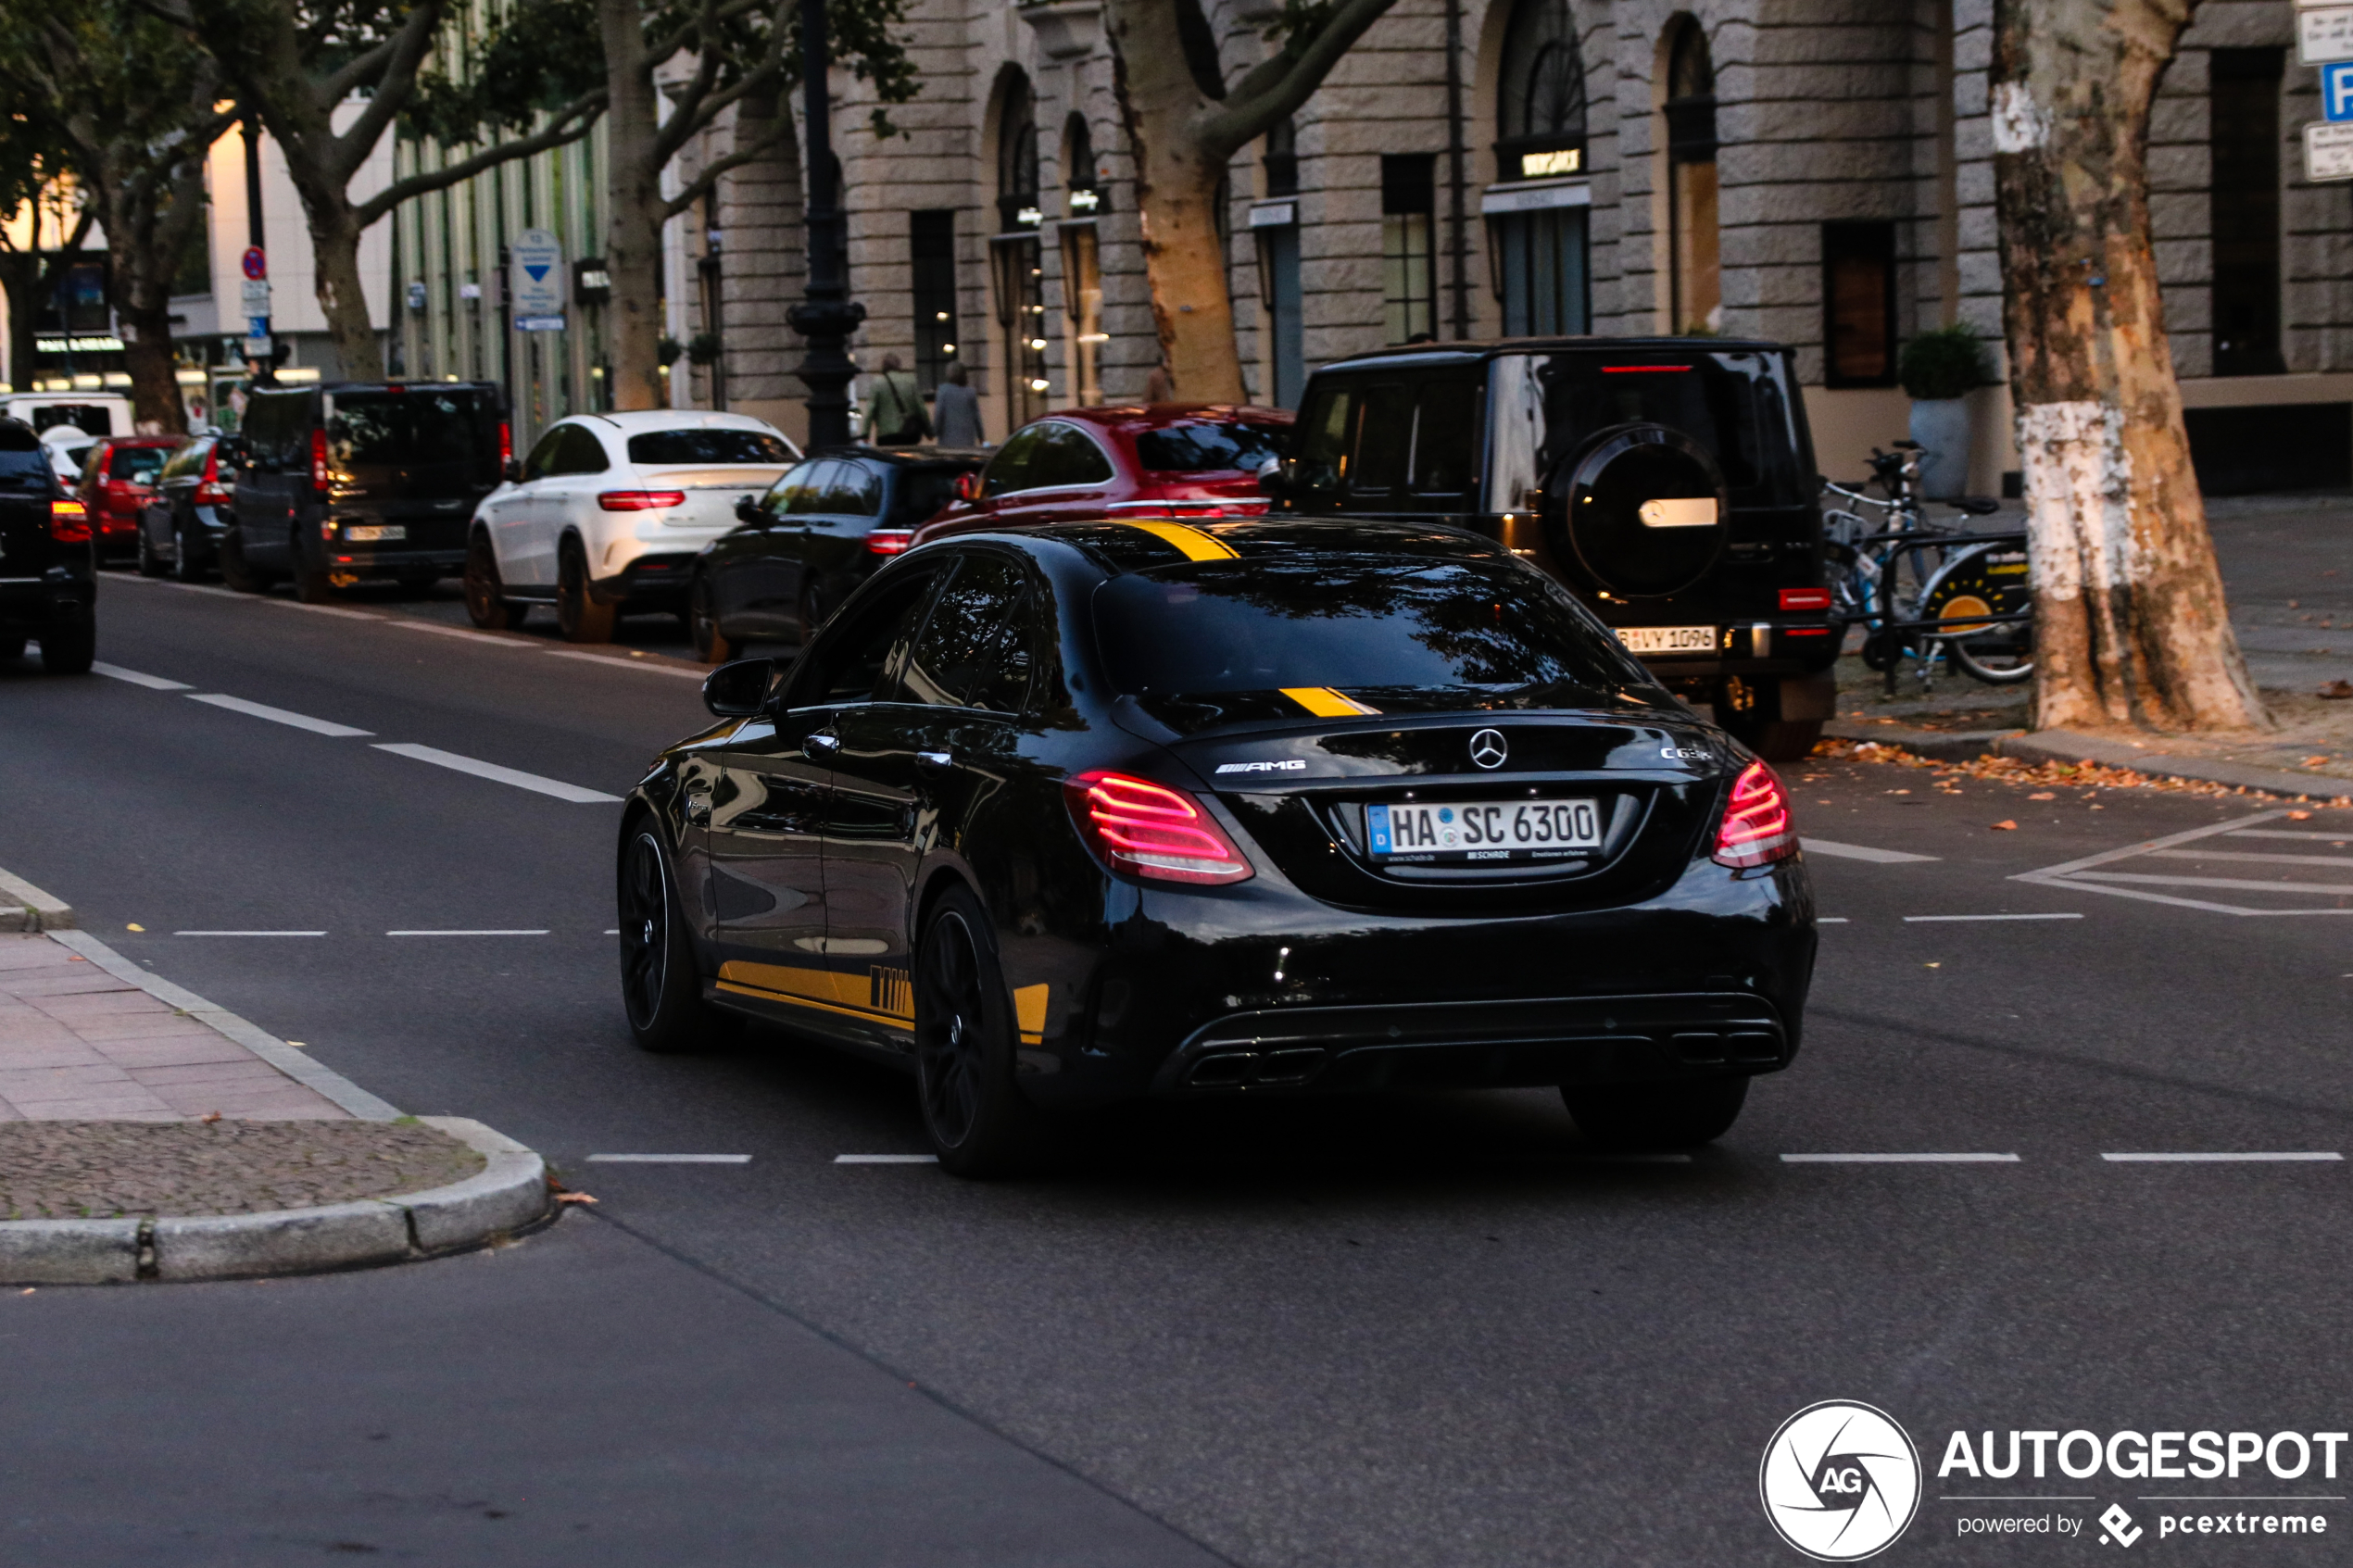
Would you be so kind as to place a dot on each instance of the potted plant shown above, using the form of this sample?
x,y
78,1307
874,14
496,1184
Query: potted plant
x,y
1939,369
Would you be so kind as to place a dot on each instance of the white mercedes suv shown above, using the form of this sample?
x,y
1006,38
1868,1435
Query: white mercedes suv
x,y
606,512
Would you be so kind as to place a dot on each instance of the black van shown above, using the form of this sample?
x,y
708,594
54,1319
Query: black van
x,y
1669,482
48,559
360,480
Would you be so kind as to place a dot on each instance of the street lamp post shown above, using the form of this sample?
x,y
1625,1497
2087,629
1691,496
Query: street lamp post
x,y
827,316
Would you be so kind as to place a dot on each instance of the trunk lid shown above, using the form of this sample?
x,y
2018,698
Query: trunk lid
x,y
711,492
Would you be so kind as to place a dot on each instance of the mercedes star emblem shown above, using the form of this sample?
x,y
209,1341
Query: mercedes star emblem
x,y
1488,748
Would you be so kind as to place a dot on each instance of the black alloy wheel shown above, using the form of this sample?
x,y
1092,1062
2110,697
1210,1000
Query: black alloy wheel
x,y
661,991
978,1120
712,645
187,556
237,571
578,616
487,603
1660,1116
313,585
150,565
69,649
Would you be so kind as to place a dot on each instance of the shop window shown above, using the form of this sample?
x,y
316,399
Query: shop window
x,y
1409,271
1858,304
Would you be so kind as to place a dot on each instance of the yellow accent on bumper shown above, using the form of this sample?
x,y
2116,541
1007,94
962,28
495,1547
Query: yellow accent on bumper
x,y
1029,1012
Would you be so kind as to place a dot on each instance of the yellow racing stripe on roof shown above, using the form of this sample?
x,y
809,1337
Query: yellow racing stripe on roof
x,y
1325,703
1196,545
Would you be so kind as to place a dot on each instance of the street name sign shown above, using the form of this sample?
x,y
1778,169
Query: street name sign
x,y
2323,34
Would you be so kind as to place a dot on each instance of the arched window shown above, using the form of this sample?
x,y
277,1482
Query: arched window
x,y
1017,160
1079,173
1541,131
1690,107
1020,270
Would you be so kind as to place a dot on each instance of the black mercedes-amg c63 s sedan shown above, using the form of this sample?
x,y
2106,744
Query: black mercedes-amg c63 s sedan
x,y
1108,810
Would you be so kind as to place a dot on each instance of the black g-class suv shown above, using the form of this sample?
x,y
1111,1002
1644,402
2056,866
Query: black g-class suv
x,y
1669,482
361,479
48,561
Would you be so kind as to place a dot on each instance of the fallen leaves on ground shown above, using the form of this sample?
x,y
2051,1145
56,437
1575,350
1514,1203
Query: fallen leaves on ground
x,y
2016,770
2005,826
2337,689
574,1198
2044,795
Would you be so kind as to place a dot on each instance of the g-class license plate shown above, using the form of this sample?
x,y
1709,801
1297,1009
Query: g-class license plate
x,y
1479,830
375,533
1668,639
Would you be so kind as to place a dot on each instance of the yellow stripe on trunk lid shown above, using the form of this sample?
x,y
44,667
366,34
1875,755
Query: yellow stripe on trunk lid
x,y
1196,545
1325,703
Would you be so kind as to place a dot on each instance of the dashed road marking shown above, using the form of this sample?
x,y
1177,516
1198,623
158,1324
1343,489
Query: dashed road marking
x,y
479,638
1925,920
1899,1159
1860,852
2225,1157
248,933
1830,919
153,682
325,610
480,933
278,715
886,1160
670,1160
492,771
628,663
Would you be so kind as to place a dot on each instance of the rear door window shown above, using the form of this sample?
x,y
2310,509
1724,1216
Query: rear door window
x,y
582,452
1068,455
854,659
1322,468
957,648
277,429
852,490
917,493
1384,439
1009,471
810,485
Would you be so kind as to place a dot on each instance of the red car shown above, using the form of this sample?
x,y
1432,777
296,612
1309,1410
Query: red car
x,y
1167,460
117,479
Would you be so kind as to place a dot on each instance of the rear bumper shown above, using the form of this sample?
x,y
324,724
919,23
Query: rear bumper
x,y
390,560
57,599
657,581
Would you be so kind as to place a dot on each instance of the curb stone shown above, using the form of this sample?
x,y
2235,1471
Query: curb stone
x,y
25,907
508,1196
2066,746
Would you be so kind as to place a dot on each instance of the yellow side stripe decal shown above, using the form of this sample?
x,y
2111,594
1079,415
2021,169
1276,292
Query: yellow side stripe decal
x,y
1029,1012
1196,545
1325,703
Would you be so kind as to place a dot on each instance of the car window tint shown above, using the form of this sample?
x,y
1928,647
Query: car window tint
x,y
1003,686
854,658
1323,441
583,453
1445,460
89,419
815,484
791,482
413,427
1208,446
137,464
544,455
24,462
1068,455
1384,439
1009,470
278,429
853,490
188,460
707,445
967,623
917,493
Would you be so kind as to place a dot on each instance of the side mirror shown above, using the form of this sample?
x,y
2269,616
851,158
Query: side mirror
x,y
751,512
968,485
512,473
1274,483
740,689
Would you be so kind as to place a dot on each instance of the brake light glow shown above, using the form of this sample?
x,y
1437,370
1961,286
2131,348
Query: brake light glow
x,y
322,476
70,522
1756,828
210,491
1806,599
890,541
640,500
1148,830
506,445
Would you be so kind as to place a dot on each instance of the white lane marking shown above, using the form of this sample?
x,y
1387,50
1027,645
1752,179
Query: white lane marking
x,y
1923,919
1899,1158
2078,874
2239,884
2218,1159
325,610
514,776
627,663
183,587
1859,852
2244,856
277,715
465,934
484,639
248,933
2291,833
670,1160
153,682
886,1160
1634,1159
1830,919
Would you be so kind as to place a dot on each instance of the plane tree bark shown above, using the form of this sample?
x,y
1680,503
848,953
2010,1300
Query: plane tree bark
x,y
1185,124
2131,624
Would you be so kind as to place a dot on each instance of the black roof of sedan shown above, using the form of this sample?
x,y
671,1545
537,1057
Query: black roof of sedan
x,y
1141,544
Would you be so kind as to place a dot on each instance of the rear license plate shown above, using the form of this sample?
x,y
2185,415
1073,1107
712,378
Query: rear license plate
x,y
1668,639
375,534
1478,829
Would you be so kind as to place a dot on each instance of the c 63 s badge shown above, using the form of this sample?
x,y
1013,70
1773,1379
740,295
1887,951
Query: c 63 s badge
x,y
1840,1481
1288,765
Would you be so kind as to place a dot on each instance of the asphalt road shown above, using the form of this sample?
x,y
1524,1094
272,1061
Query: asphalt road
x,y
1414,1331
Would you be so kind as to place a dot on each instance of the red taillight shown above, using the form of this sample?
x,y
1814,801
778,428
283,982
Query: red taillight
x,y
1806,599
1756,829
322,476
210,491
506,445
1151,831
70,522
890,541
640,500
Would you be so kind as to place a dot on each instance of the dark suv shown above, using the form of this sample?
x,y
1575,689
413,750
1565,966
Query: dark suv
x,y
360,480
48,559
1669,482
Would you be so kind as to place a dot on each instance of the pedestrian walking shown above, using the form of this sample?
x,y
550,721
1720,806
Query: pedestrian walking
x,y
895,414
958,409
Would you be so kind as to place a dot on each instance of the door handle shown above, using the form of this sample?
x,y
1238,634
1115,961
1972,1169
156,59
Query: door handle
x,y
935,758
819,740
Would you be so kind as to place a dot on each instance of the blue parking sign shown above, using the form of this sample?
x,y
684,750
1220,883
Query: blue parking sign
x,y
2336,90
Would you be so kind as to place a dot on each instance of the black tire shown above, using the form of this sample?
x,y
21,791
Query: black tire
x,y
978,1122
578,616
1664,1116
69,649
1758,725
2007,666
713,645
187,556
311,582
11,649
486,602
237,571
661,983
149,565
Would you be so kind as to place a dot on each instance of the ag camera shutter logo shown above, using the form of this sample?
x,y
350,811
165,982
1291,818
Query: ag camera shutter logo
x,y
1840,1481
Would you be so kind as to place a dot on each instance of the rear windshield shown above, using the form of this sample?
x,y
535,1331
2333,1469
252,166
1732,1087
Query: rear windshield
x,y
188,459
89,419
21,471
137,464
1394,634
922,492
660,447
1208,446
412,428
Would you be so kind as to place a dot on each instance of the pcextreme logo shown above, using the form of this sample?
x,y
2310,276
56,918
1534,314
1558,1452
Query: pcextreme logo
x,y
1840,1481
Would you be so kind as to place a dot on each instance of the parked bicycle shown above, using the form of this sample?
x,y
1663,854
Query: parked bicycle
x,y
1925,591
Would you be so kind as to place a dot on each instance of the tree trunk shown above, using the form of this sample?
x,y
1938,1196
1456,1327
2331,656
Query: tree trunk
x,y
1176,181
334,245
20,277
633,233
2130,626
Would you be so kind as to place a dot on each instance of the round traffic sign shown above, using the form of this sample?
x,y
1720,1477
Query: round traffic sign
x,y
257,265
